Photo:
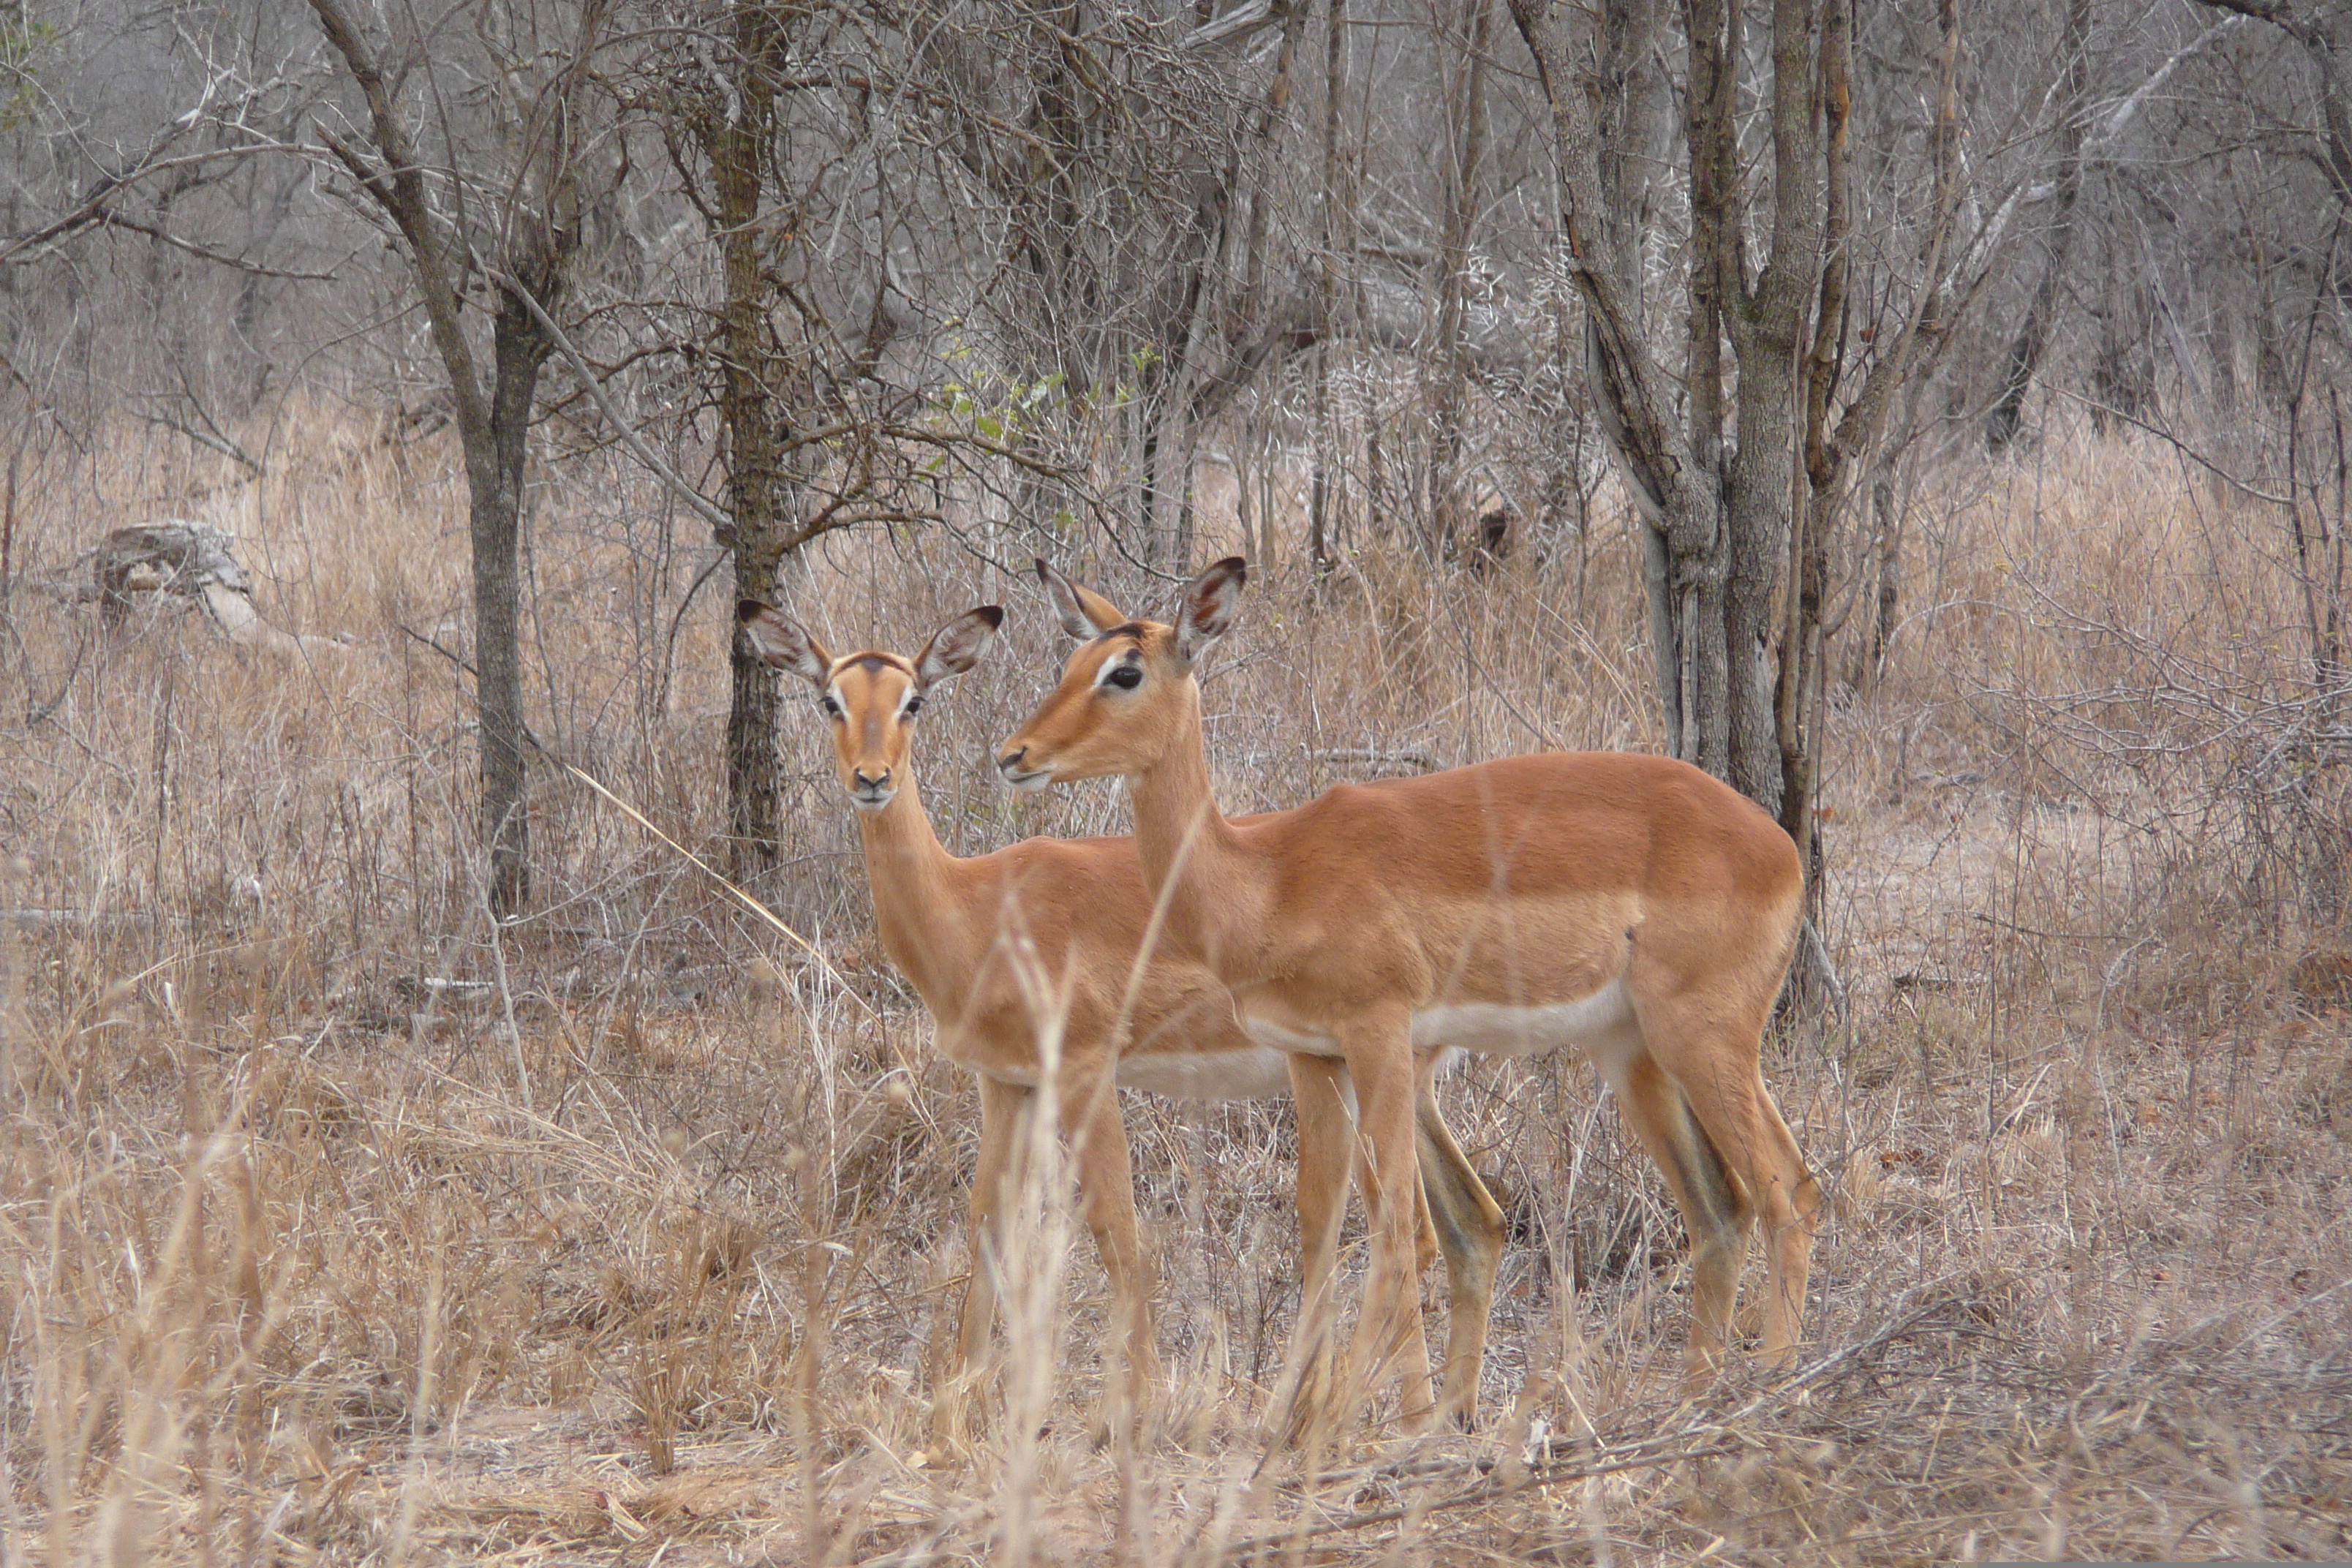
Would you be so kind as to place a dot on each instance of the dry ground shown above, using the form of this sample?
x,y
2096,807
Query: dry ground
x,y
335,1224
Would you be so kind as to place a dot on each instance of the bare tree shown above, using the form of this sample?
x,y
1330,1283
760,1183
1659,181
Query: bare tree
x,y
135,136
1739,460
2032,339
2323,33
487,209
1469,41
1719,509
924,262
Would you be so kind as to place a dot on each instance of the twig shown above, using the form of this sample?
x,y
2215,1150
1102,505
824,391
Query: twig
x,y
444,652
2307,1302
205,253
1477,1495
2047,935
1716,1436
670,644
751,903
2178,445
225,446
506,1000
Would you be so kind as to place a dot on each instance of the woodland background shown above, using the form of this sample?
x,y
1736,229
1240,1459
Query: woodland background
x,y
1927,414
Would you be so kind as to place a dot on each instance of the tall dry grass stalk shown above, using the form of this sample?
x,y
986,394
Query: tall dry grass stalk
x,y
337,1224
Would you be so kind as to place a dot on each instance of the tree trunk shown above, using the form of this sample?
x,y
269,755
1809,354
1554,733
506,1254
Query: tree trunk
x,y
1886,512
1338,237
739,149
1449,484
1718,521
537,225
495,460
2007,418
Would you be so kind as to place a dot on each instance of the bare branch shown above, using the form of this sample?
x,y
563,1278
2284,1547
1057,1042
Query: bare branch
x,y
693,498
399,187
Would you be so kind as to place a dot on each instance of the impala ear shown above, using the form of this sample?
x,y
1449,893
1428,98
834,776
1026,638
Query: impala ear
x,y
780,642
957,647
1083,611
1206,610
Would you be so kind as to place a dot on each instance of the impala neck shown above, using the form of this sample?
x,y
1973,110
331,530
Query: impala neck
x,y
1174,803
915,910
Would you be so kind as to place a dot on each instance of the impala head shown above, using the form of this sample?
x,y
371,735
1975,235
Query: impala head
x,y
1128,690
871,699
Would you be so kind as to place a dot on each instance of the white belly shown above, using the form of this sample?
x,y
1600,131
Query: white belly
x,y
1597,1024
1283,1038
1206,1075
1602,1024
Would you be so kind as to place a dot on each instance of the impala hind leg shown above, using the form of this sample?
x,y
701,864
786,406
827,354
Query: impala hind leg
x,y
1715,1065
1469,1225
1788,1231
1715,1207
1000,1108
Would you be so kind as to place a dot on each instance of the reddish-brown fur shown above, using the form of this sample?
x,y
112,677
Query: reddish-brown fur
x,y
1630,904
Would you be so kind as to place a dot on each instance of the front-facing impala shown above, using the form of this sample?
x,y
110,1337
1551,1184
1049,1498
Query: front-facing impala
x,y
1632,905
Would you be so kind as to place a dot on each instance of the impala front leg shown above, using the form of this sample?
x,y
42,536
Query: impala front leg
x,y
1098,1135
1000,1108
1378,1049
1327,1141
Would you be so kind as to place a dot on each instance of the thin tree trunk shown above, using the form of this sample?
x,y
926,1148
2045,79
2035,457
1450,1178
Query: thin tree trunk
x,y
1886,517
2007,418
495,460
738,150
1449,506
1323,500
540,235
1813,505
1699,564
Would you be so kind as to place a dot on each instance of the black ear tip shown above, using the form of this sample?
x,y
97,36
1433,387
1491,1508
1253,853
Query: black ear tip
x,y
1235,565
1045,568
749,610
992,614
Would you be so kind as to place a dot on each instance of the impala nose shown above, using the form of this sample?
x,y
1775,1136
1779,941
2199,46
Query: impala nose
x,y
1013,763
869,782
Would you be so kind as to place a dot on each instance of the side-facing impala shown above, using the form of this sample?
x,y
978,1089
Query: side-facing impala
x,y
1630,905
1074,913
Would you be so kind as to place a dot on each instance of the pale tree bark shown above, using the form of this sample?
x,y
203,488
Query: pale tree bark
x,y
1632,397
1721,516
533,233
1846,404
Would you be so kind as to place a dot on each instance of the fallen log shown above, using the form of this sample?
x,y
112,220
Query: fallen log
x,y
195,562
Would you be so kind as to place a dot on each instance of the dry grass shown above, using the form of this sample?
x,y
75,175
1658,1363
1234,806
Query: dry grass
x,y
642,1243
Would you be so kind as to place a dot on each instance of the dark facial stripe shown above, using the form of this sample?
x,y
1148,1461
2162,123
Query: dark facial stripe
x,y
874,662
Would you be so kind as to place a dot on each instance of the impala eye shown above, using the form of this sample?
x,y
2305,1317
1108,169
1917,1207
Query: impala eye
x,y
912,705
831,706
1126,677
